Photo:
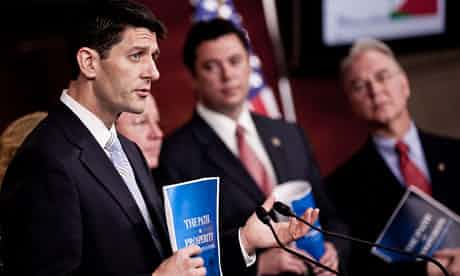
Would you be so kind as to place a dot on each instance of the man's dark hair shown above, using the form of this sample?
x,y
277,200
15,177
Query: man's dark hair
x,y
208,30
101,24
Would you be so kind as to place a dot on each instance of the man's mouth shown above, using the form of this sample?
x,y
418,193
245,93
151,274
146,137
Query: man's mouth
x,y
142,92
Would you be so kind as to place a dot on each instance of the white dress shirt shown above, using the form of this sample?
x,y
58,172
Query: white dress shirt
x,y
95,125
225,128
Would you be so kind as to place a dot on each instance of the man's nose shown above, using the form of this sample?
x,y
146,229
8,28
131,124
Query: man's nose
x,y
374,88
155,131
151,71
226,71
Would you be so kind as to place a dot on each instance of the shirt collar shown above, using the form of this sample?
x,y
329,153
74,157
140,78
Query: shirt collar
x,y
95,125
245,120
225,124
411,139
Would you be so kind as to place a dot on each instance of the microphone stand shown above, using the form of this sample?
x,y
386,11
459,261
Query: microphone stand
x,y
286,211
263,216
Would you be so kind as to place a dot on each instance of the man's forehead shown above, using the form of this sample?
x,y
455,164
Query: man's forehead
x,y
371,60
222,47
140,34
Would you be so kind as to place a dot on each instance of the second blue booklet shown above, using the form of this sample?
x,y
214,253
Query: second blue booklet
x,y
192,216
420,225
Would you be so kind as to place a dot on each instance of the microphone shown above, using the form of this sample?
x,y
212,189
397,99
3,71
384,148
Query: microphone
x,y
285,210
264,216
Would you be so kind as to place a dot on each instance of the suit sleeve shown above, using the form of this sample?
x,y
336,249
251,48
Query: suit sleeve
x,y
41,218
232,259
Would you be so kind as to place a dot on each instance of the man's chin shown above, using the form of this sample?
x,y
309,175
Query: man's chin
x,y
152,163
134,111
379,122
137,108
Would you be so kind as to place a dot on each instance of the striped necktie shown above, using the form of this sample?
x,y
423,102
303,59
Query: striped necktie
x,y
121,163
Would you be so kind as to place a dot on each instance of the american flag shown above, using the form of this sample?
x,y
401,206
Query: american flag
x,y
261,97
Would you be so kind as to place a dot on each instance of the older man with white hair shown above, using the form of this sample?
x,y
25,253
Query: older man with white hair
x,y
368,187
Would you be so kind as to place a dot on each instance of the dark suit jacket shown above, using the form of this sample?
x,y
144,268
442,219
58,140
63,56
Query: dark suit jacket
x,y
366,192
66,210
195,150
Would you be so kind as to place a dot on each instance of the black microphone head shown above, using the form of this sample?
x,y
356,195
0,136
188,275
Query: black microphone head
x,y
283,209
262,215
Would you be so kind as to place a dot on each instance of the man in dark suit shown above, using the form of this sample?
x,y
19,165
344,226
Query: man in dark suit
x,y
367,188
78,198
65,208
216,54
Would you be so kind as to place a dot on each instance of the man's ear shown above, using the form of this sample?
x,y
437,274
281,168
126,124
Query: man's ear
x,y
88,60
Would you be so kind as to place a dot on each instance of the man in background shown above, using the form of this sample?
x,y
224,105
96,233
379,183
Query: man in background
x,y
144,130
70,204
367,188
251,154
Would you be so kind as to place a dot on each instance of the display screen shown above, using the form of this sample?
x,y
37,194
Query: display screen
x,y
346,20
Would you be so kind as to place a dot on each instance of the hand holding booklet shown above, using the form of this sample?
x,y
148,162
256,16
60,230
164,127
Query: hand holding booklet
x,y
420,225
192,217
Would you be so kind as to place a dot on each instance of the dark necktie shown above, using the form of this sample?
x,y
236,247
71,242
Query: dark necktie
x,y
252,164
411,173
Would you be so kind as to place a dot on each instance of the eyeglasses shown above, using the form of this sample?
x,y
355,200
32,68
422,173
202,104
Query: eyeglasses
x,y
382,77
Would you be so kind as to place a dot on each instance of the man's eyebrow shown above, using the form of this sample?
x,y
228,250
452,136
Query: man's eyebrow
x,y
156,53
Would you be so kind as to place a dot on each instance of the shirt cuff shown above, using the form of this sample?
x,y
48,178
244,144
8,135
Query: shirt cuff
x,y
248,259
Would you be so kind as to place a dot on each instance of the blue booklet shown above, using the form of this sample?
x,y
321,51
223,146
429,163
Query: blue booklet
x,y
420,225
192,217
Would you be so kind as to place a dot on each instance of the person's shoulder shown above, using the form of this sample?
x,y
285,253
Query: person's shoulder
x,y
44,149
127,142
274,122
353,164
437,139
43,136
270,120
181,140
50,132
181,134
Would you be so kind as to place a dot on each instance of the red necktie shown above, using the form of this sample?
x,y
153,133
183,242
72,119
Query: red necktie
x,y
411,173
252,164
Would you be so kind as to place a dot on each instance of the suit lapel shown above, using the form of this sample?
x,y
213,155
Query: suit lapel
x,y
149,193
370,149
95,160
99,165
145,182
435,162
222,157
382,179
274,145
